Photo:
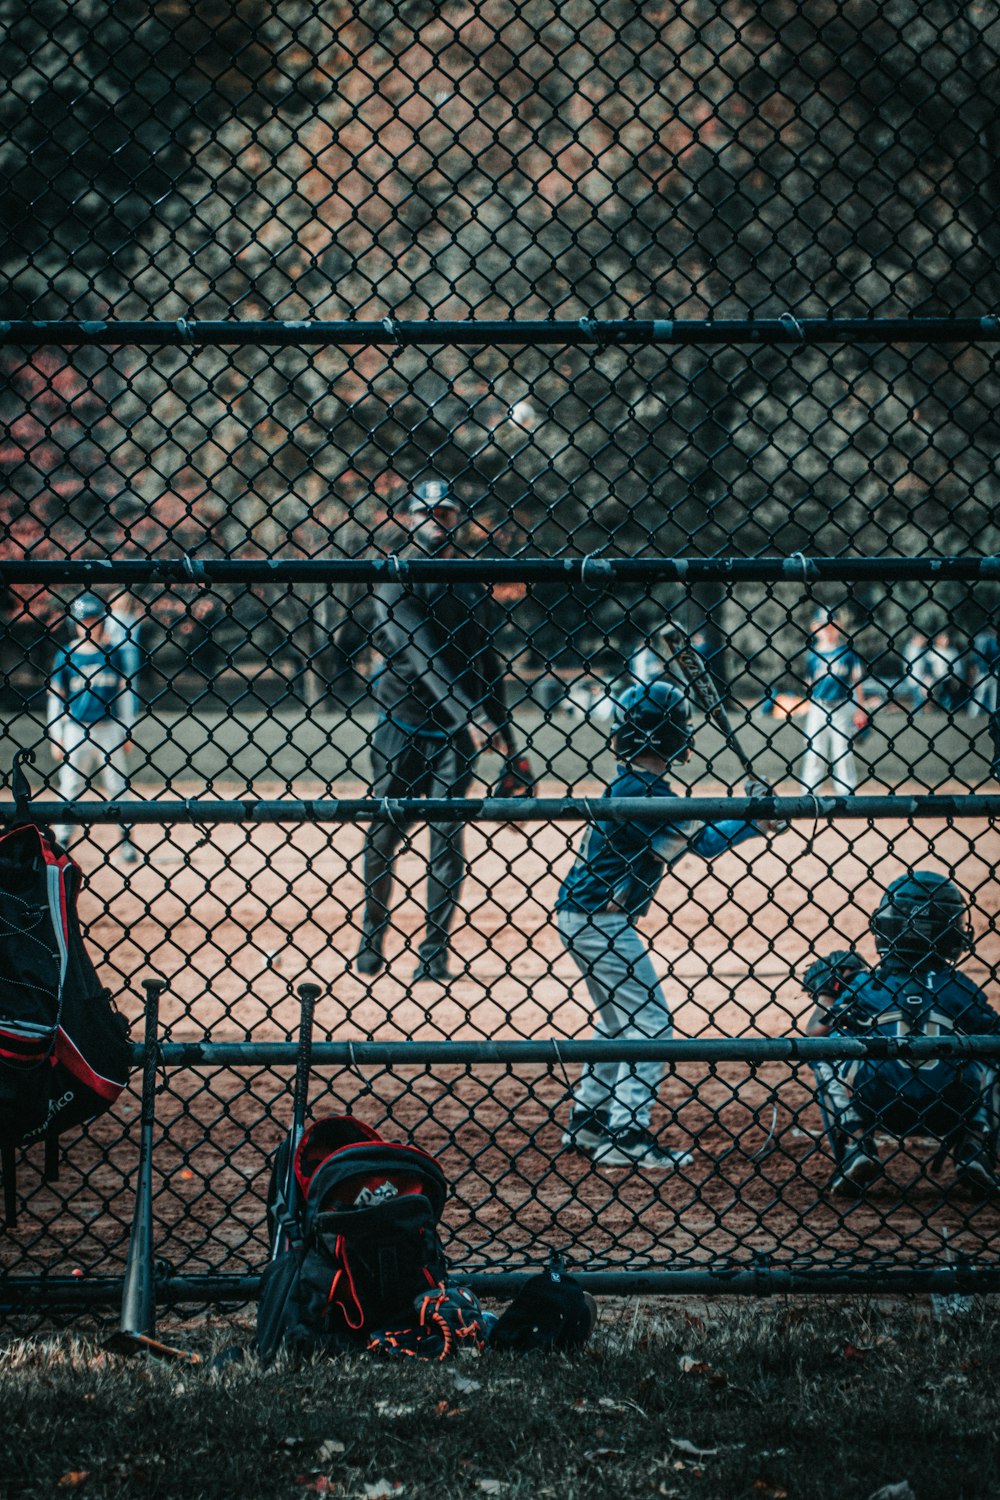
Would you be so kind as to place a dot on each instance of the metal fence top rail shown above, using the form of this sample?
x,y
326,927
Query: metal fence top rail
x,y
503,809
786,328
552,1053
592,570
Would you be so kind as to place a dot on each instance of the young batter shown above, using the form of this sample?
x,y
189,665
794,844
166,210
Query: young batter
x,y
612,885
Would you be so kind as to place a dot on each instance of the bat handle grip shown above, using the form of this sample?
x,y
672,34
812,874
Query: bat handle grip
x,y
308,995
154,988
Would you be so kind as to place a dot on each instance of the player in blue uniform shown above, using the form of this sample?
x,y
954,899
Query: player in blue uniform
x,y
834,673
608,889
921,930
92,706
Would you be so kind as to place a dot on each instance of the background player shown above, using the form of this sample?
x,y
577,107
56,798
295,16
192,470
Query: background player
x,y
834,676
441,696
92,707
921,930
612,885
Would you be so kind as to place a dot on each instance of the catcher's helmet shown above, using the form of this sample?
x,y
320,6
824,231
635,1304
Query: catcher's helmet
x,y
651,716
429,494
87,607
921,917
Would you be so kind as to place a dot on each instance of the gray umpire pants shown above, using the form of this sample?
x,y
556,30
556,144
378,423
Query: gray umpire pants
x,y
630,1006
406,763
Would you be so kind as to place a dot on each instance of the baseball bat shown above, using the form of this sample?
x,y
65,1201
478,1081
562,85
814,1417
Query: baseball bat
x,y
698,678
136,1334
308,995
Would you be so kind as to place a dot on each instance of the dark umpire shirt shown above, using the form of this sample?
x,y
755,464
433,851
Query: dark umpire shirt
x,y
441,672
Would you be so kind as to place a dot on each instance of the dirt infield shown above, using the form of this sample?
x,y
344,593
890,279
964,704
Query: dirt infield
x,y
236,918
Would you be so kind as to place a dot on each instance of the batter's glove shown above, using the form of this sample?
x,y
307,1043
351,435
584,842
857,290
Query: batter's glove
x,y
753,786
829,976
862,726
517,778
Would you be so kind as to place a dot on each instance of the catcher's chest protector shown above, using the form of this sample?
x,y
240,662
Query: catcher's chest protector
x,y
361,1223
64,1049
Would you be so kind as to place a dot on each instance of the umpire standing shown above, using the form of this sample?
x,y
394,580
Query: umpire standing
x,y
441,700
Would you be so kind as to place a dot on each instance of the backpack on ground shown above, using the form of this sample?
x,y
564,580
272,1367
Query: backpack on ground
x,y
354,1234
64,1049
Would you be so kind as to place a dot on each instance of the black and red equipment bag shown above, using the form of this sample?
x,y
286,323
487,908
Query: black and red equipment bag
x,y
64,1049
359,1218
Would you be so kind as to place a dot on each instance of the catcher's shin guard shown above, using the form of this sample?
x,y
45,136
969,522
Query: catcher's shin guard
x,y
823,1073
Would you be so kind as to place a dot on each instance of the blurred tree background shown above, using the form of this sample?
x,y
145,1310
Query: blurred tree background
x,y
324,159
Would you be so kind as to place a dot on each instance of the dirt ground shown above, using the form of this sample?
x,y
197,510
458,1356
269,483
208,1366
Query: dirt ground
x,y
236,916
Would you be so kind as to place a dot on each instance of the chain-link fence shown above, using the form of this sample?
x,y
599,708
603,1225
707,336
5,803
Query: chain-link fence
x,y
380,382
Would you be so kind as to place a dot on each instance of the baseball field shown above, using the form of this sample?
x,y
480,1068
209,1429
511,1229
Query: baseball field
x,y
235,916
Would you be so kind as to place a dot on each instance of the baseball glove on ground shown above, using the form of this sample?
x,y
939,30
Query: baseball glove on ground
x,y
827,978
517,778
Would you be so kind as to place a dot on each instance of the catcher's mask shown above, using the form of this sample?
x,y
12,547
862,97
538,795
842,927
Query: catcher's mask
x,y
651,717
922,917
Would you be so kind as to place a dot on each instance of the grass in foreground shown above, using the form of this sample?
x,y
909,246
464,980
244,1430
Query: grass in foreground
x,y
784,1400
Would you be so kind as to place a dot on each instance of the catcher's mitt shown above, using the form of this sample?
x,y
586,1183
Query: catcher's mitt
x,y
516,779
828,977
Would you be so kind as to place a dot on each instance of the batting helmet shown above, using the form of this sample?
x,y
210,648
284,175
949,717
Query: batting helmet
x,y
651,716
87,607
429,494
921,917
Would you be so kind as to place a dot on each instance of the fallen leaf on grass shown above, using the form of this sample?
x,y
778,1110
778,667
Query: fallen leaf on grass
x,y
322,1484
291,1443
462,1384
683,1446
690,1366
851,1351
73,1478
383,1487
389,1409
601,1455
768,1491
489,1486
330,1448
901,1491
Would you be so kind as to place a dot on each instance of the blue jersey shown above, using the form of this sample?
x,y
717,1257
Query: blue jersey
x,y
90,683
832,675
893,1001
937,1094
622,864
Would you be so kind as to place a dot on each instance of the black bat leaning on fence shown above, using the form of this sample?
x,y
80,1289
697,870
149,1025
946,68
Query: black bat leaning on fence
x,y
136,1334
308,995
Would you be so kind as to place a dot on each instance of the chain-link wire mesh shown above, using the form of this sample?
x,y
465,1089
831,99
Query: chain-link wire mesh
x,y
691,315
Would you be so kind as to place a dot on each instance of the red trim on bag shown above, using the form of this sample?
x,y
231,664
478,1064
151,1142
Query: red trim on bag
x,y
31,1059
338,1250
74,1062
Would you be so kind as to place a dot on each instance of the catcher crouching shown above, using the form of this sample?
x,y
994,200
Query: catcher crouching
x,y
921,930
